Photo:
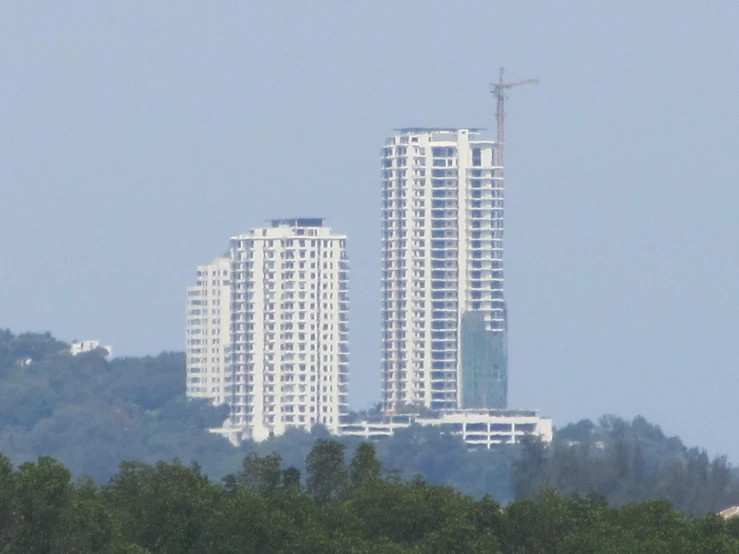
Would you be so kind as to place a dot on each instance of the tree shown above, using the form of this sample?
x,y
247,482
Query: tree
x,y
537,524
327,475
7,490
530,468
291,479
262,474
243,523
164,507
50,516
87,523
365,468
171,508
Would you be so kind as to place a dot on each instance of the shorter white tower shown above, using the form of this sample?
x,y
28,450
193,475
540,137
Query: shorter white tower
x,y
289,328
208,331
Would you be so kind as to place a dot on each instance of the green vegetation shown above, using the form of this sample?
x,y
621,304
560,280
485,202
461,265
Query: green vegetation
x,y
171,508
626,462
91,414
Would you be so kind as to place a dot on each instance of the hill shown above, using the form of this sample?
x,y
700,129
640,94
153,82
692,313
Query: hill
x,y
92,414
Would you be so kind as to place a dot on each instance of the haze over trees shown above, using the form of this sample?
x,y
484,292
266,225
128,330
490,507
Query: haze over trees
x,y
359,507
626,462
92,414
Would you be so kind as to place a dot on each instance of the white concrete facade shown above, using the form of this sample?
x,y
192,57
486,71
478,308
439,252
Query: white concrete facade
x,y
442,257
82,346
289,329
208,328
481,428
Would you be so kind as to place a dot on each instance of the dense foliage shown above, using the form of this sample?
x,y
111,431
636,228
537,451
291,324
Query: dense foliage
x,y
171,508
91,414
626,462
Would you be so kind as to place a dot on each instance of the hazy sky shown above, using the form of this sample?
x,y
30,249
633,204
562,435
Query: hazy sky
x,y
136,137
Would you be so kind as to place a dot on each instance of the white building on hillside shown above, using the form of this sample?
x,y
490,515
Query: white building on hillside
x,y
208,328
289,329
479,428
82,346
443,312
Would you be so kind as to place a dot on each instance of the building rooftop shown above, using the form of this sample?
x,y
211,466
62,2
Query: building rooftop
x,y
438,129
298,222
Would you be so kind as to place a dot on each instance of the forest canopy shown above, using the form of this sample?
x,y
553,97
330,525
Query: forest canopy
x,y
92,414
341,505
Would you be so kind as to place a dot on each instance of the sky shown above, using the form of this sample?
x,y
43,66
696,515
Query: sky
x,y
136,137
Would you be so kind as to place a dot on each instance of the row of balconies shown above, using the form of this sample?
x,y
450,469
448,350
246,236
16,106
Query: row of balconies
x,y
395,354
480,190
395,224
442,304
492,251
492,208
444,275
441,180
480,225
444,224
247,408
390,361
394,232
496,232
486,201
444,295
484,283
492,215
448,246
480,171
447,174
449,235
443,263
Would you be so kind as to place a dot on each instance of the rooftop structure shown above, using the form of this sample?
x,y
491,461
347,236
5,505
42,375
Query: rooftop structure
x,y
297,222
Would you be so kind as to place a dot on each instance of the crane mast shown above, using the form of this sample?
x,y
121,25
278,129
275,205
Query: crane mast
x,y
498,90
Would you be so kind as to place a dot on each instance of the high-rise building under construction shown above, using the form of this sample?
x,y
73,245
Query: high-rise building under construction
x,y
444,328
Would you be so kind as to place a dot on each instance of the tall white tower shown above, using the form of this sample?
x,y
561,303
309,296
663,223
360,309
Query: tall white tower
x,y
289,328
443,311
208,328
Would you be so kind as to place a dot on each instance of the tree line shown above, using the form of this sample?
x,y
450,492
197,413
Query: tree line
x,y
91,414
336,507
626,462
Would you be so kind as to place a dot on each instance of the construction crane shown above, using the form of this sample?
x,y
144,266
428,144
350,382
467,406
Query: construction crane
x,y
498,89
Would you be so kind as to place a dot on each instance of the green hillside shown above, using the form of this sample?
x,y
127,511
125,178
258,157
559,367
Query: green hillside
x,y
92,414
